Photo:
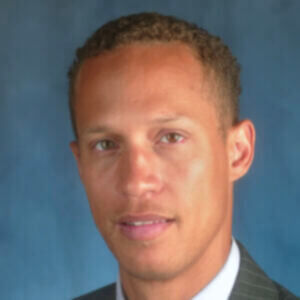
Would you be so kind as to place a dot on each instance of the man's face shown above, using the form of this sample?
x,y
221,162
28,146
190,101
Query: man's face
x,y
152,158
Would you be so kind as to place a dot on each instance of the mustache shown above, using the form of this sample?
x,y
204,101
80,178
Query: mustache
x,y
144,208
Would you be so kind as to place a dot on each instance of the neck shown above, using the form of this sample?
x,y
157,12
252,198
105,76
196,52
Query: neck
x,y
185,285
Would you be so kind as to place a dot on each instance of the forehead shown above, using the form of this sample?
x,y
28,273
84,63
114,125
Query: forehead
x,y
147,59
175,54
145,76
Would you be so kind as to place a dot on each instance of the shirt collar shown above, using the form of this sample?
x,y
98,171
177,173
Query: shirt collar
x,y
220,287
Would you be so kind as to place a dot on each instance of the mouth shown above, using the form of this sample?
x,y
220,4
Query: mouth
x,y
144,227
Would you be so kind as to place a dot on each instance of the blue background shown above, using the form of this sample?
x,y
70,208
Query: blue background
x,y
49,246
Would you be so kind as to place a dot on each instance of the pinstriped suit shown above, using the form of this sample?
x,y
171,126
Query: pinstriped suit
x,y
251,284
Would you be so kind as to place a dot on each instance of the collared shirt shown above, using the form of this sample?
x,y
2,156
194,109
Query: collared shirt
x,y
220,287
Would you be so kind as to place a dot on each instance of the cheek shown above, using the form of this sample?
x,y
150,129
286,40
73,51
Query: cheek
x,y
197,181
184,177
99,188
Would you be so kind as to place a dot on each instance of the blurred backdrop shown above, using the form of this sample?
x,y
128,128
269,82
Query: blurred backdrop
x,y
49,246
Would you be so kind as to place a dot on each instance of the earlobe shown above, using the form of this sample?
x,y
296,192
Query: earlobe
x,y
241,143
75,150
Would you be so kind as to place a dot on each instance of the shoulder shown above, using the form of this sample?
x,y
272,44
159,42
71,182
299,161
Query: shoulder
x,y
107,292
253,283
284,294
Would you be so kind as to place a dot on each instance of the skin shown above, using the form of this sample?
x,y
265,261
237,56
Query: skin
x,y
149,144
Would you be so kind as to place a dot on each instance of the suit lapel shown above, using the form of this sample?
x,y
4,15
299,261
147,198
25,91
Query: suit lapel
x,y
252,283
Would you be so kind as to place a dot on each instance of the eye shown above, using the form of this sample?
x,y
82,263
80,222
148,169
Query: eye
x,y
105,145
172,138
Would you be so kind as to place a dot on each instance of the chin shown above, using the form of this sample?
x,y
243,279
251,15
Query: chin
x,y
152,273
153,267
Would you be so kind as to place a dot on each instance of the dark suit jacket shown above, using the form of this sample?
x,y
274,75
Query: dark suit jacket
x,y
251,284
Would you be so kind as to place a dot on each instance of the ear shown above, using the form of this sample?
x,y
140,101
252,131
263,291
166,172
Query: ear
x,y
76,152
241,143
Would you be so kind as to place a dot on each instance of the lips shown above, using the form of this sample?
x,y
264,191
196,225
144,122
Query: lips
x,y
143,223
144,227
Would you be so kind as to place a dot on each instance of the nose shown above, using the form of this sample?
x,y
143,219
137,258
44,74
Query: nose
x,y
139,175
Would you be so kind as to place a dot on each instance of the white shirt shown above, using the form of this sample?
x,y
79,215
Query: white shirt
x,y
220,287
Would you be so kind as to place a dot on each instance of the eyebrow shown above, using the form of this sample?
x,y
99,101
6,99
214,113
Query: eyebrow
x,y
97,129
158,120
166,119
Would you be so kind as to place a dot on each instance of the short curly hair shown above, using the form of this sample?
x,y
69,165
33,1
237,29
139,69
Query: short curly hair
x,y
154,27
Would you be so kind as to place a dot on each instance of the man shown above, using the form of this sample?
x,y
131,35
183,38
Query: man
x,y
154,106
